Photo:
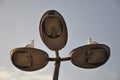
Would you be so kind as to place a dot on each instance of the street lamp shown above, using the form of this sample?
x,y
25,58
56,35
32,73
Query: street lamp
x,y
53,31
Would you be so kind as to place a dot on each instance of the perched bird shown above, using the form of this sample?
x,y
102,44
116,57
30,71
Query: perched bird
x,y
30,44
90,41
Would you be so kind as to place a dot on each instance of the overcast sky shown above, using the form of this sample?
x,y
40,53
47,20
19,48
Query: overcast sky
x,y
19,24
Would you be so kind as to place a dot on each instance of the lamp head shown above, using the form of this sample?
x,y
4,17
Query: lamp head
x,y
90,56
29,59
53,30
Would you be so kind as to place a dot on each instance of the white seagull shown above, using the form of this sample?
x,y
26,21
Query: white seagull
x,y
90,41
30,44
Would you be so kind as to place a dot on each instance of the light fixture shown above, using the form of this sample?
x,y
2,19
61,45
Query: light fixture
x,y
53,31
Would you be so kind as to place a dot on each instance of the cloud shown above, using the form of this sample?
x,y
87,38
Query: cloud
x,y
6,74
15,74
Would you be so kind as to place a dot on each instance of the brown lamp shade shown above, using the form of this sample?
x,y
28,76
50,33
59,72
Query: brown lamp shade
x,y
29,59
90,56
53,30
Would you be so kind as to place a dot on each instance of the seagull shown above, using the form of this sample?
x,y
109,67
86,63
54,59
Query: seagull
x,y
30,44
90,41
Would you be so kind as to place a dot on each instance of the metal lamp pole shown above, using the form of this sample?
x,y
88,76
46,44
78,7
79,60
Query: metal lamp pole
x,y
53,31
57,66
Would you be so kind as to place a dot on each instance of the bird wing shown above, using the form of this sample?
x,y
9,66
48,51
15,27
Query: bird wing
x,y
90,41
30,45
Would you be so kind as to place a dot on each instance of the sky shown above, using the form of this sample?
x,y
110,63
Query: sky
x,y
19,24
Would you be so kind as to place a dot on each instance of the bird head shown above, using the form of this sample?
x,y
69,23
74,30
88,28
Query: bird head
x,y
89,40
32,41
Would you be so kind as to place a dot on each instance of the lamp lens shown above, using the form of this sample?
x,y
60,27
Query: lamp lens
x,y
22,60
52,27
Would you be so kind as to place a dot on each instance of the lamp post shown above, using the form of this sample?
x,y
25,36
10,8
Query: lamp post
x,y
53,31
